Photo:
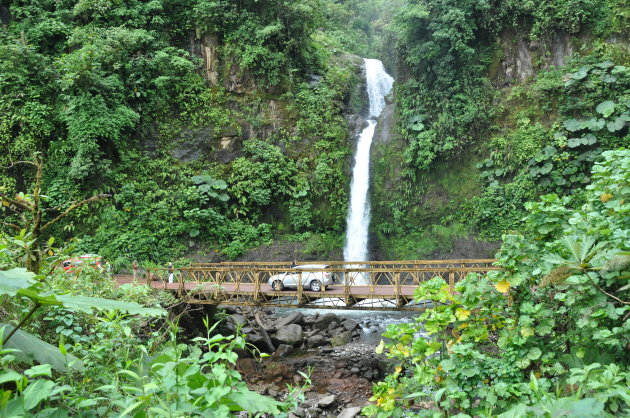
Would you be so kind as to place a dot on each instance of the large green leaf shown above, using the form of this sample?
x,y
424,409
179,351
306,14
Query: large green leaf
x,y
40,298
581,73
569,407
37,392
89,304
619,123
12,281
574,142
33,349
606,108
254,402
572,125
594,124
20,282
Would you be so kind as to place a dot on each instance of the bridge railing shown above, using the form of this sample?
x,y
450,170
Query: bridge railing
x,y
449,263
354,284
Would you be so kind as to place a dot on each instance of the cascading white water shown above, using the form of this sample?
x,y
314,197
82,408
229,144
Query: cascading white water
x,y
379,84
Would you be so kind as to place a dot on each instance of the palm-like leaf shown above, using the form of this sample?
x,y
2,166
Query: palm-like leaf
x,y
582,251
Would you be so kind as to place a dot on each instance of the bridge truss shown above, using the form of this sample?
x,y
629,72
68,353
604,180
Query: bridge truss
x,y
384,285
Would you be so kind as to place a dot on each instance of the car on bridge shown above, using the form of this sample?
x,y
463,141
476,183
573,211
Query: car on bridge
x,y
311,280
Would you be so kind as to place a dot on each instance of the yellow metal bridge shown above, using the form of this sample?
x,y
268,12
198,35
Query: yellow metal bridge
x,y
385,285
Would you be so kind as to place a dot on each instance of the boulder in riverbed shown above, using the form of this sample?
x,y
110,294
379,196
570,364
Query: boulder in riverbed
x,y
323,321
288,320
326,401
349,412
340,339
273,370
349,324
254,339
234,321
291,335
283,350
315,341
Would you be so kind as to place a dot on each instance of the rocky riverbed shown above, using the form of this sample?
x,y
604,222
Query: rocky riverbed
x,y
337,352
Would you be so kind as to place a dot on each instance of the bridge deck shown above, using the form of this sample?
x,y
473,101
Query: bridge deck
x,y
365,285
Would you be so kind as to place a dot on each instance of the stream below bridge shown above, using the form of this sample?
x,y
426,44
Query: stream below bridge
x,y
372,324
335,347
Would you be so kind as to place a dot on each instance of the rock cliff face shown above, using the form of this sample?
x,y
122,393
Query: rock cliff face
x,y
255,111
438,191
522,57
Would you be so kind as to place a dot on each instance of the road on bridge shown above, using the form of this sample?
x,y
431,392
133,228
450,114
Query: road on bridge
x,y
393,283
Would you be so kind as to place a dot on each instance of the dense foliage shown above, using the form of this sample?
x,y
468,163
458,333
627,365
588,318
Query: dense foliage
x,y
110,93
150,130
448,46
547,335
589,105
499,102
91,349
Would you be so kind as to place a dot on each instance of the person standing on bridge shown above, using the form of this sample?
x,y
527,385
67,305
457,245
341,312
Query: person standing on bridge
x,y
170,274
293,263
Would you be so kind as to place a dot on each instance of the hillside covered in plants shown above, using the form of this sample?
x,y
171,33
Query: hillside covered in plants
x,y
213,126
160,131
217,127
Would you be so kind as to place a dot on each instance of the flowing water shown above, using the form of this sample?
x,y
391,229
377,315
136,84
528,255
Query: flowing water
x,y
379,84
371,323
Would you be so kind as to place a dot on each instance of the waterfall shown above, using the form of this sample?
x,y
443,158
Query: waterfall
x,y
379,84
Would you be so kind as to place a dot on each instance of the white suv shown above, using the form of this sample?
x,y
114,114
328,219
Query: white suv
x,y
313,280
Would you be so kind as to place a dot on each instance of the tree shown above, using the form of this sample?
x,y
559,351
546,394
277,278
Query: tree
x,y
33,219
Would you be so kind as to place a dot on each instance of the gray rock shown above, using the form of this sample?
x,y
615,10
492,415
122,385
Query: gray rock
x,y
310,395
349,324
341,339
239,319
333,325
349,412
311,333
284,350
314,80
291,334
323,321
355,370
326,401
313,411
335,331
230,309
291,319
368,375
316,341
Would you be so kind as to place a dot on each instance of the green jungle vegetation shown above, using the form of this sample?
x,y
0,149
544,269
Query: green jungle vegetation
x,y
109,92
476,147
150,130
